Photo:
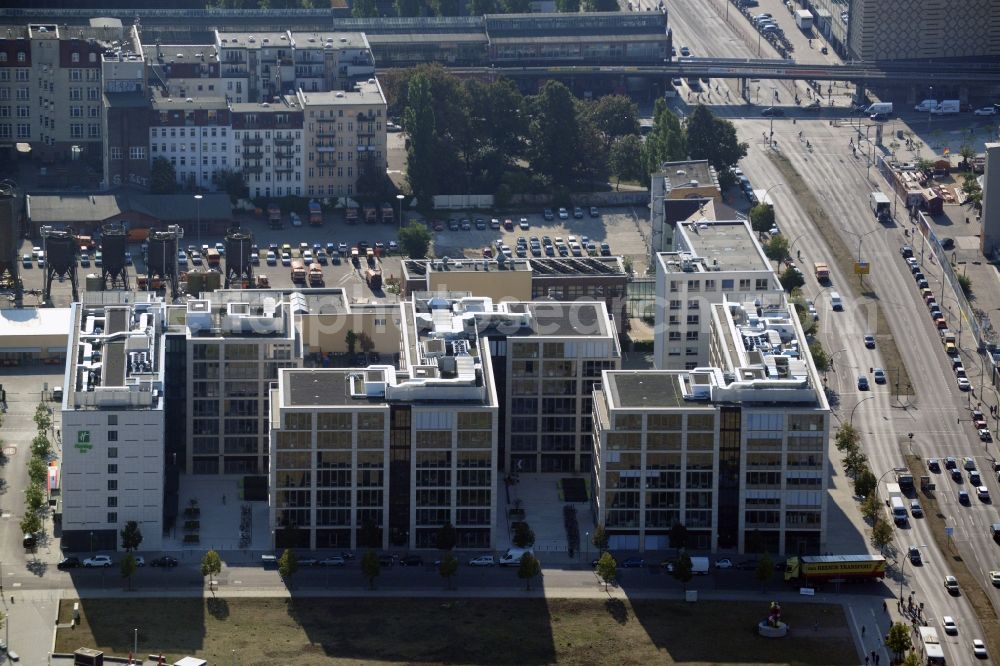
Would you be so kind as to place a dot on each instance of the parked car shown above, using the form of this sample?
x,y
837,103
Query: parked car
x,y
578,213
333,561
164,561
724,563
632,563
594,212
482,561
411,561
985,111
68,563
563,214
98,561
386,560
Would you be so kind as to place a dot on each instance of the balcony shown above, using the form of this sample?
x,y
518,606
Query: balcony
x,y
326,149
326,133
283,169
253,154
257,169
326,162
284,154
283,141
253,141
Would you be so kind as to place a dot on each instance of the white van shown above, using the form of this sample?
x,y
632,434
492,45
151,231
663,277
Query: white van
x,y
836,302
512,557
926,105
879,108
947,106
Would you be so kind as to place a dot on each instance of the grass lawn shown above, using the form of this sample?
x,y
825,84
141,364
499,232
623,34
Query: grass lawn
x,y
462,631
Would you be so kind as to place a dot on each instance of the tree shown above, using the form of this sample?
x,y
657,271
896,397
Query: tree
x,y
40,446
421,157
762,217
444,7
666,142
34,496
847,437
882,535
967,152
765,571
515,6
211,565
407,7
131,536
530,568
854,462
524,536
791,278
568,6
128,567
288,565
555,134
615,117
607,569
232,183
777,248
31,523
820,358
600,6
925,165
678,536
448,568
364,9
713,139
599,538
43,417
682,570
446,537
971,189
481,7
162,176
415,240
898,638
864,483
626,161
965,282
871,508
351,340
370,567
911,659
37,470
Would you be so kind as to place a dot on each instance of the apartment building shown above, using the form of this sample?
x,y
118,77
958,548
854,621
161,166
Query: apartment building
x,y
113,422
278,63
196,135
192,71
51,87
345,139
680,191
385,455
713,261
735,450
235,344
268,146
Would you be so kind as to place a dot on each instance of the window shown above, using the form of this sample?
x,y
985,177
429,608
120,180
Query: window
x,y
727,285
21,57
113,502
74,57
137,152
75,75
93,131
693,304
112,484
112,468
76,130
675,305
112,516
745,285
76,112
692,336
3,57
23,131
116,152
761,284
112,451
692,320
23,111
75,94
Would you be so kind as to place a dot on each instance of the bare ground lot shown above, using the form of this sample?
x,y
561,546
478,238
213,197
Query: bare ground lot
x,y
461,631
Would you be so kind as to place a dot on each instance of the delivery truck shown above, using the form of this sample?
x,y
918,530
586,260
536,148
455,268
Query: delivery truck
x,y
513,556
370,215
895,504
315,213
932,645
947,107
315,275
699,566
387,216
820,568
298,271
373,276
822,272
351,215
879,109
804,19
274,216
926,105
881,206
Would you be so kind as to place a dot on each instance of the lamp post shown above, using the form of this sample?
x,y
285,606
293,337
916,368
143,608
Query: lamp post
x,y
135,642
586,546
929,114
92,543
197,205
902,568
858,404
399,209
767,191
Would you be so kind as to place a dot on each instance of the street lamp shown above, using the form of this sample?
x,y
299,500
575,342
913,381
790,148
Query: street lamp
x,y
135,643
767,191
197,205
399,209
859,403
91,543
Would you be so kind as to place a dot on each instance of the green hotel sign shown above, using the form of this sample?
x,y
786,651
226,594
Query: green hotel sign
x,y
83,441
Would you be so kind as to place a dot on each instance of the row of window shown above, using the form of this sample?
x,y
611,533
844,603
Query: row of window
x,y
760,284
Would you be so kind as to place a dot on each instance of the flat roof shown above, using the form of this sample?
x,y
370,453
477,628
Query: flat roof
x,y
645,389
564,319
428,38
182,53
35,322
189,104
363,93
677,175
730,245
317,388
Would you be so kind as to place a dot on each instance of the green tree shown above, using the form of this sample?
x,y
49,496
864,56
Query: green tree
x,y
665,142
162,176
415,240
40,446
448,568
854,462
555,134
211,566
607,569
288,565
31,523
682,570
791,278
419,121
370,567
131,536
965,282
524,536
762,217
871,508
713,139
601,6
925,165
678,536
911,659
446,537
351,340
481,7
898,639
37,470
820,358
765,571
971,189
615,116
444,7
626,160
568,6
232,183
34,496
127,567
847,437
530,568
882,535
599,538
407,7
43,417
364,9
967,152
777,248
864,483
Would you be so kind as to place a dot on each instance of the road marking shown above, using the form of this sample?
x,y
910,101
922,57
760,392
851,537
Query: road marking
x,y
237,582
10,450
17,585
4,515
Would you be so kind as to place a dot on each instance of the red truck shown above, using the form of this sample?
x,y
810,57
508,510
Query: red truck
x,y
274,216
315,213
370,215
373,276
387,216
351,215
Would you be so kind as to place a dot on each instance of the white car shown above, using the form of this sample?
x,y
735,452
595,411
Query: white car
x,y
724,563
995,578
986,111
140,561
563,214
948,622
482,561
98,561
811,308
964,384
296,220
979,648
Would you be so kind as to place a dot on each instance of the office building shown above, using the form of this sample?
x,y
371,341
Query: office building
x,y
990,240
680,191
713,261
113,422
385,455
734,450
